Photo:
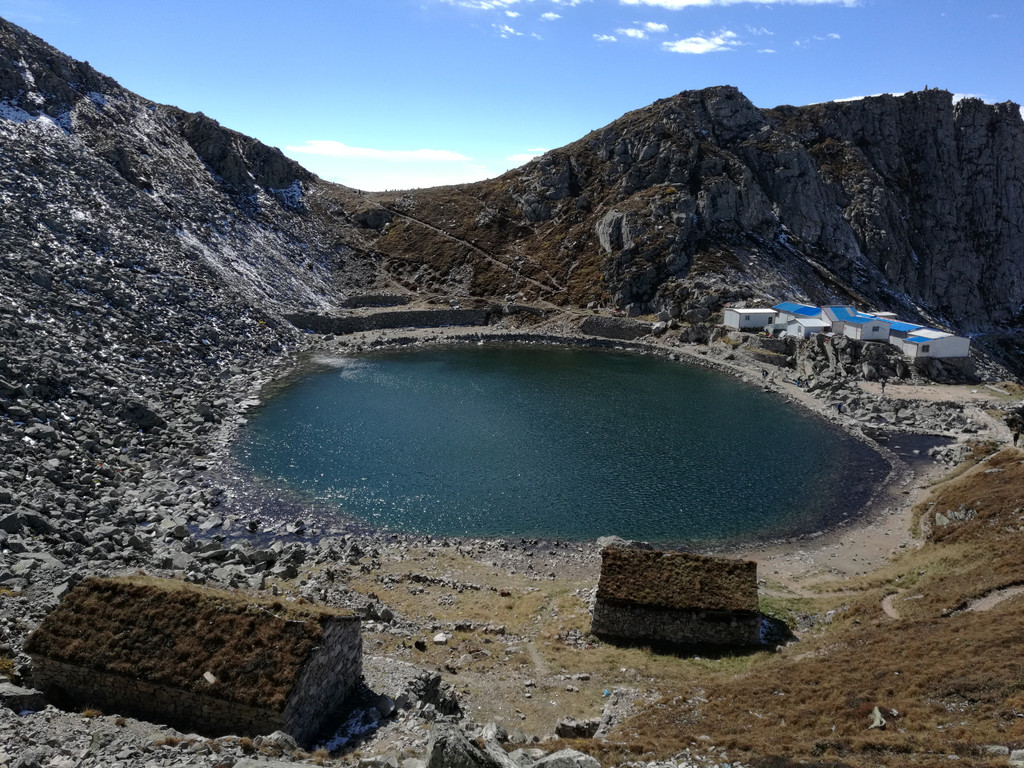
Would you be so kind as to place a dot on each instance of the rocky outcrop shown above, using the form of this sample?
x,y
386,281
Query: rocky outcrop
x,y
909,203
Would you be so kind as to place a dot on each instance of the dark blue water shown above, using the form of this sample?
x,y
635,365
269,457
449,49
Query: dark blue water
x,y
551,442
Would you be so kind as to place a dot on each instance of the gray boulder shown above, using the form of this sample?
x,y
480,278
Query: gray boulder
x,y
20,699
571,728
449,748
567,758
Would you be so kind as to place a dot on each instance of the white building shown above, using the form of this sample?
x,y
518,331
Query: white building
x,y
805,326
928,342
747,318
790,310
915,341
868,328
846,320
899,330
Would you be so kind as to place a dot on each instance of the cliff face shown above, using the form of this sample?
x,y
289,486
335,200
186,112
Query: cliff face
x,y
909,203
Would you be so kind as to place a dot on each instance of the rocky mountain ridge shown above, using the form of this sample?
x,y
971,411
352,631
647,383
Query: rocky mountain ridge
x,y
910,203
913,204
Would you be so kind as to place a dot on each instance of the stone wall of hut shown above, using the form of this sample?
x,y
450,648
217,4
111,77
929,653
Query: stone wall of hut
x,y
69,685
633,623
331,673
326,680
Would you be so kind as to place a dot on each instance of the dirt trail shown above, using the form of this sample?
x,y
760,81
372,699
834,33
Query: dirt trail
x,y
994,598
547,289
888,608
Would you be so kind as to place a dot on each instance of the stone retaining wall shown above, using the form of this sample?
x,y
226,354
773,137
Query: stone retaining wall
x,y
615,327
378,321
634,623
373,300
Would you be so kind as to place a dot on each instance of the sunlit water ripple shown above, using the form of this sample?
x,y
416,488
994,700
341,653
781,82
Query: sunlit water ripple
x,y
559,443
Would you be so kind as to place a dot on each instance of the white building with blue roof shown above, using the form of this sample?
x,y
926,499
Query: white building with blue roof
x,y
915,341
898,330
928,342
853,324
790,310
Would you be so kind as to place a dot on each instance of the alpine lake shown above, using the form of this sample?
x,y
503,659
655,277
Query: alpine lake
x,y
555,443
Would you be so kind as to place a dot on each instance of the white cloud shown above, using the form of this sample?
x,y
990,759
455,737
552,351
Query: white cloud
x,y
327,148
31,12
549,16
491,5
870,96
380,169
512,14
651,26
676,5
961,96
523,157
636,34
721,41
506,31
481,5
767,50
816,38
605,38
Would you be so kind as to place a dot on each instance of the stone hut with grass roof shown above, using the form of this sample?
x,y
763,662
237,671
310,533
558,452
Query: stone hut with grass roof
x,y
197,659
676,599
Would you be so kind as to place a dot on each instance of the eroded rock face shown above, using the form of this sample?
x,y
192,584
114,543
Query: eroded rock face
x,y
910,203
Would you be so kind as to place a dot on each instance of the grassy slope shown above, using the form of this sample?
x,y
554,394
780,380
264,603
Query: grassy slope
x,y
948,682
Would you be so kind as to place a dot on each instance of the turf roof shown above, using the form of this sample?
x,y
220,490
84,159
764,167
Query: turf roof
x,y
171,633
677,580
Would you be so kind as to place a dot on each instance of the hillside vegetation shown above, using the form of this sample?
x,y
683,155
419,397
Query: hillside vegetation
x,y
935,641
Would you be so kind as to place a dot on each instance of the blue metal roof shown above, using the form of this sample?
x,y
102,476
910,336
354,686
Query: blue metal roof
x,y
798,309
899,325
842,313
862,318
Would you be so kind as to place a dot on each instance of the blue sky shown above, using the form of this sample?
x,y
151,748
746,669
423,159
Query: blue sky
x,y
391,94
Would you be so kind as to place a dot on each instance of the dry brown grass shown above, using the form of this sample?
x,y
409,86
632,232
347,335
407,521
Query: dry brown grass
x,y
171,633
169,741
956,680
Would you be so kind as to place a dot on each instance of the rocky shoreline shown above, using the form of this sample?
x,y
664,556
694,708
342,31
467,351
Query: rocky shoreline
x,y
163,498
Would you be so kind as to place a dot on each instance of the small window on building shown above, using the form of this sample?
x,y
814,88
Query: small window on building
x,y
876,328
925,347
